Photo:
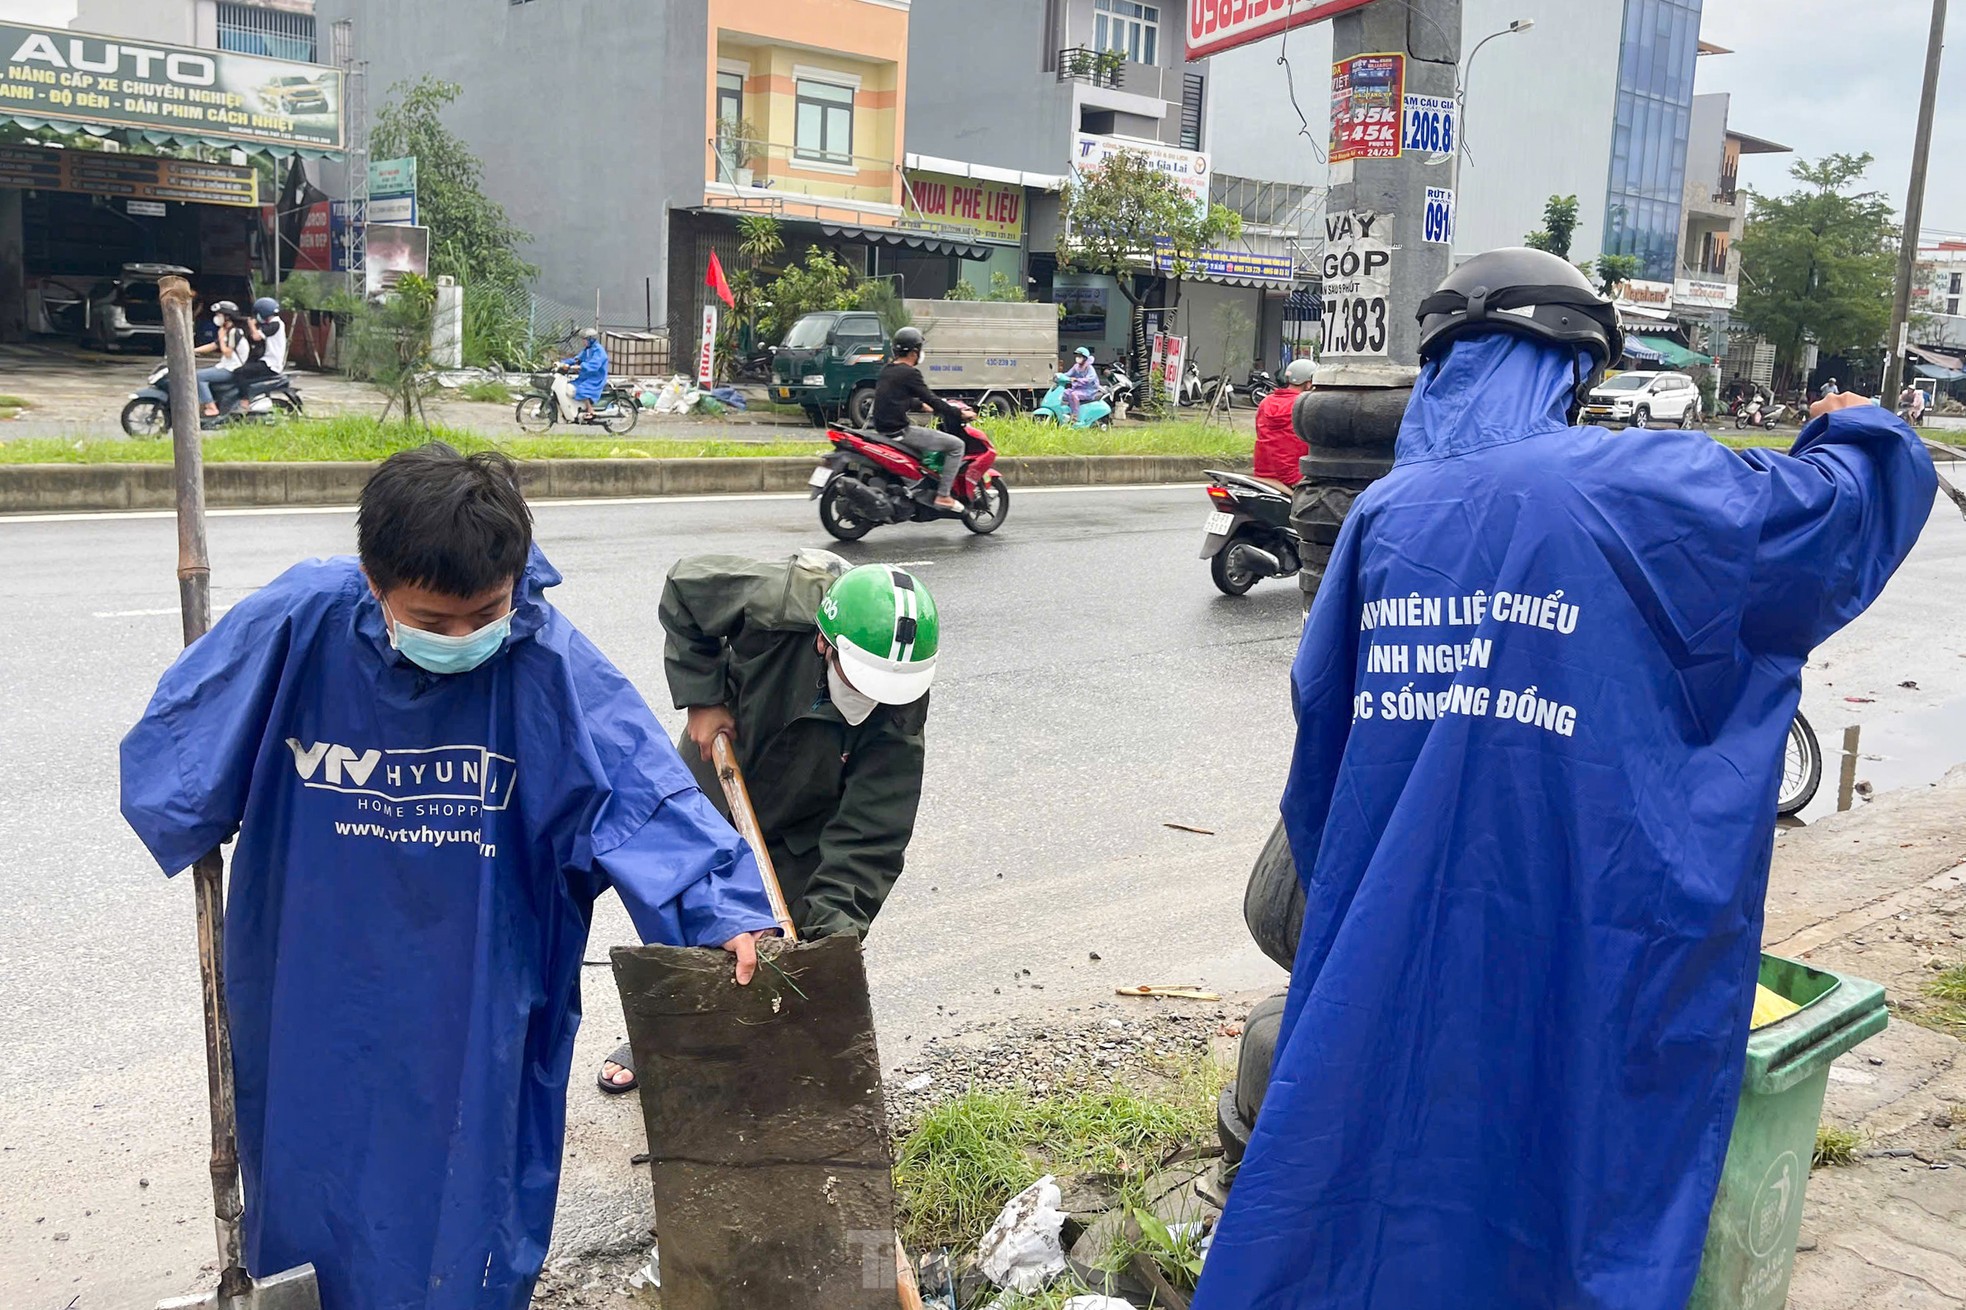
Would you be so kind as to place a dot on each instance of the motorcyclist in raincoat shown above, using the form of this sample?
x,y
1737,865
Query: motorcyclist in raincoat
x,y
1541,700
788,657
590,376
432,776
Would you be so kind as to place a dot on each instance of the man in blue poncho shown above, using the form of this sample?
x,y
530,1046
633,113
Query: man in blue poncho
x,y
1541,702
432,776
590,377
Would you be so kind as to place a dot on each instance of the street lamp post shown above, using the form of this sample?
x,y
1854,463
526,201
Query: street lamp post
x,y
1514,28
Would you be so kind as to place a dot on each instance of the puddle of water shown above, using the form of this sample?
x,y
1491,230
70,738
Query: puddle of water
x,y
1908,749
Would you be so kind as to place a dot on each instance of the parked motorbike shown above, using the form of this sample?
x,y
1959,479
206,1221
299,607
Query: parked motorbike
x,y
1758,414
1119,389
1248,533
148,411
869,480
1259,385
1197,390
540,408
1802,767
1097,411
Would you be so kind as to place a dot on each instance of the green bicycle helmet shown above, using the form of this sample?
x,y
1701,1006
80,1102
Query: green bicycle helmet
x,y
882,623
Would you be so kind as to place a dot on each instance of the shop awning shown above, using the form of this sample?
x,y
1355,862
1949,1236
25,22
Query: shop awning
x,y
1934,358
1640,353
1670,352
1938,374
930,242
181,140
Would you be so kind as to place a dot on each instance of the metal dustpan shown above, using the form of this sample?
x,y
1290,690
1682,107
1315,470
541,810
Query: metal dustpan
x,y
296,1288
768,1152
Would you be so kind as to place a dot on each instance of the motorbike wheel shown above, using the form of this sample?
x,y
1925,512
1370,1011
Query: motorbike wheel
x,y
1257,395
626,410
144,417
839,519
1043,416
1231,577
1802,767
986,512
286,405
536,412
1740,422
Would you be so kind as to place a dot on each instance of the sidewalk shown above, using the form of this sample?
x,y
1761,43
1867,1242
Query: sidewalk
x,y
1881,892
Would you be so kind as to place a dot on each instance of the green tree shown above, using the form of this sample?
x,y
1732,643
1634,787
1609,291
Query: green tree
x,y
821,282
386,343
1119,216
1818,263
1559,226
1612,270
471,237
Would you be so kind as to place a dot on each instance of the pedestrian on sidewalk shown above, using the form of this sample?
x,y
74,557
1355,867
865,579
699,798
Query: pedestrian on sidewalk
x,y
819,675
1541,702
432,777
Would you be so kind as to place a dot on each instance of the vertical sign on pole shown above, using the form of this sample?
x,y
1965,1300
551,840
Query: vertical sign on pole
x,y
1176,353
1366,96
706,355
1437,226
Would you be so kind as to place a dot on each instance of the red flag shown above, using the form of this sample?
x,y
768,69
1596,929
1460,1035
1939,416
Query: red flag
x,y
714,279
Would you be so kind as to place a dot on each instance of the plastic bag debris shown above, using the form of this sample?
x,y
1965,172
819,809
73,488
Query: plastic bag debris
x,y
1095,1302
1770,1007
1022,1251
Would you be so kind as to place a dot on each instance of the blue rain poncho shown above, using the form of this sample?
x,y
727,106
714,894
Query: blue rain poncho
x,y
1541,703
416,870
593,364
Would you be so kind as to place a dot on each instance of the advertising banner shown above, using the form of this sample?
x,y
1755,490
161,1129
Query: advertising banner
x,y
132,177
1173,358
393,177
1645,295
1157,356
392,252
1218,25
989,209
1428,124
1437,223
1229,265
76,77
706,350
1366,95
1188,167
1358,281
1085,311
392,209
1696,293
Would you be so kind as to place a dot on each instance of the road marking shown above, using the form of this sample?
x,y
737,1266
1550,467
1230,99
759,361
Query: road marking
x,y
274,511
174,611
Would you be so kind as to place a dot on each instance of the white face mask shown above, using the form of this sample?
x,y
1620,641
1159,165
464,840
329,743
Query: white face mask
x,y
854,707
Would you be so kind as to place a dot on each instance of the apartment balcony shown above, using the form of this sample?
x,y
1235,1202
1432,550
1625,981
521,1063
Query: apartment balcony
x,y
1721,201
1092,67
774,177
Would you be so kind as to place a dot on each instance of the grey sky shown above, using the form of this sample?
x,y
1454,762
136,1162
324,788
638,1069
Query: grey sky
x,y
1825,76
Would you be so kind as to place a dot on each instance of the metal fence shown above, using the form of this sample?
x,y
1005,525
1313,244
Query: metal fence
x,y
256,30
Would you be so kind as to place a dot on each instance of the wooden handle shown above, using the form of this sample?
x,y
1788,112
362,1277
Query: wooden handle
x,y
905,1281
745,819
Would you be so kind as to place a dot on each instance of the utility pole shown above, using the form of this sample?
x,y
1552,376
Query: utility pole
x,y
1894,368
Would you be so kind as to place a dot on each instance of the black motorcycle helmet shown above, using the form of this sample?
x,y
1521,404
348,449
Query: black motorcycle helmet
x,y
1531,293
907,339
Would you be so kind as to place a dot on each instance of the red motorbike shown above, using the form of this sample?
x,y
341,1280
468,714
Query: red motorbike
x,y
869,480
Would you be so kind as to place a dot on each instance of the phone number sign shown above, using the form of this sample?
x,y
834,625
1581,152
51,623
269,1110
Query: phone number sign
x,y
1358,282
1218,25
1366,94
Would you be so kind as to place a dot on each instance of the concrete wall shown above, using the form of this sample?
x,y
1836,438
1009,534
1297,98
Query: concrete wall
x,y
995,104
588,115
1706,140
1541,107
173,22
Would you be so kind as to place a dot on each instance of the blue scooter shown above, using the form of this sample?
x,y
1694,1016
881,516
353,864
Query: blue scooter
x,y
1053,409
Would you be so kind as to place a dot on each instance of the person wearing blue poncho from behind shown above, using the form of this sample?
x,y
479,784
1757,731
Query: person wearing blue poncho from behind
x,y
432,777
1541,701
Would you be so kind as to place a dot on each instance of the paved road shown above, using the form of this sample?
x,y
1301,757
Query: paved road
x,y
1095,688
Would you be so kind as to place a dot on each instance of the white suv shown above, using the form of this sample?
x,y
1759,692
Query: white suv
x,y
1640,399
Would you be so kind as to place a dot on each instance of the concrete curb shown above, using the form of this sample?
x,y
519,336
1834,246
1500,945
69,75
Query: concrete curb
x,y
54,488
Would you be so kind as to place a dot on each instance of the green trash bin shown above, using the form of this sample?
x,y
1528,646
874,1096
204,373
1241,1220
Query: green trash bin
x,y
1757,1214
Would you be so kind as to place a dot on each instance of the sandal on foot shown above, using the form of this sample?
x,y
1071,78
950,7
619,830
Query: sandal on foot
x,y
624,1057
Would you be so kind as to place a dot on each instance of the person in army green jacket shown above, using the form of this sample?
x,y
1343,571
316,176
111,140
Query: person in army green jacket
x,y
819,675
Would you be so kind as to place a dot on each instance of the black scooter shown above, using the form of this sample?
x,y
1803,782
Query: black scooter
x,y
1249,536
148,413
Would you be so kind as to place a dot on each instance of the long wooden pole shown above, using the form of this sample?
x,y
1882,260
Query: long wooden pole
x,y
745,820
194,576
1921,151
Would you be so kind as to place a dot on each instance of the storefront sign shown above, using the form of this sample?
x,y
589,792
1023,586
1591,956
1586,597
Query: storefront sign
x,y
392,209
1187,167
1174,354
79,78
1428,125
1157,356
706,351
989,209
1085,311
1218,25
1437,223
393,177
1366,93
1647,295
148,208
130,177
1689,293
1229,265
1358,279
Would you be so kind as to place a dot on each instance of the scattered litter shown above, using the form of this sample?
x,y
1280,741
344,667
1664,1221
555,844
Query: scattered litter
x,y
1909,685
1172,991
1770,1007
1864,790
1182,827
918,1083
640,1157
650,1274
1096,1302
1860,700
1022,1251
1093,956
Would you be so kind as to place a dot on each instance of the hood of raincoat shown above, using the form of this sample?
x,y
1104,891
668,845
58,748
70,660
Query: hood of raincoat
x,y
1489,390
